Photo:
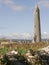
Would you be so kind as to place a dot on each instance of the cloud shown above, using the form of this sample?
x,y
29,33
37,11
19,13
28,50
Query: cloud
x,y
45,32
3,27
21,35
25,34
43,3
45,35
11,4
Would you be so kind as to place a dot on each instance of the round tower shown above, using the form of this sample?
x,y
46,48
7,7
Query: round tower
x,y
37,29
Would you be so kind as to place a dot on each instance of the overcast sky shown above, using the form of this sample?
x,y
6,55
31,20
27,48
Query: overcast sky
x,y
17,16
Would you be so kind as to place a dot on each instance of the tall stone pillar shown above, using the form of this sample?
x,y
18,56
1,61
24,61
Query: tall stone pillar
x,y
37,29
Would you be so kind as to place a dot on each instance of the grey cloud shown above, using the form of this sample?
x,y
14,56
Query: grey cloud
x,y
3,27
11,4
43,3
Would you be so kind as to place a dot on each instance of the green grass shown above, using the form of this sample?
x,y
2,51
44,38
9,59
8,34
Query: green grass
x,y
3,50
22,51
22,48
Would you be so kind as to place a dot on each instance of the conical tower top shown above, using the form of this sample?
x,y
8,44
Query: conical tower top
x,y
36,7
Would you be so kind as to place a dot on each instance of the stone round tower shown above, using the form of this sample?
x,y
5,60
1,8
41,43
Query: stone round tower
x,y
37,29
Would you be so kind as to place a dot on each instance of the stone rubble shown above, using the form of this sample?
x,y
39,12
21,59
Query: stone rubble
x,y
46,49
40,57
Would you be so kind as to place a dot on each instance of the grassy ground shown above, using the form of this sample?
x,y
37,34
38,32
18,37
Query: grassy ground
x,y
22,48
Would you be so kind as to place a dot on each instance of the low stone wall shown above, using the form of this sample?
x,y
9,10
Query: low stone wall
x,y
30,58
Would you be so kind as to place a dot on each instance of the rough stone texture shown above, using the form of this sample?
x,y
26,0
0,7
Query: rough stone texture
x,y
14,59
37,30
39,58
31,58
